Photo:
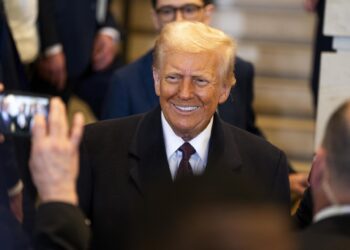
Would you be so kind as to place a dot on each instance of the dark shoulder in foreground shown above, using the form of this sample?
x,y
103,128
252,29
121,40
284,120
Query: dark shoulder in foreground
x,y
249,141
117,126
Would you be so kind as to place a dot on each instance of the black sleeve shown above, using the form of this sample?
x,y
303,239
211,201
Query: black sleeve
x,y
47,25
281,182
60,226
84,183
110,21
303,215
9,163
11,69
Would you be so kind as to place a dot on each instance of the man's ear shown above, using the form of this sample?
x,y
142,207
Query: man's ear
x,y
155,20
156,79
225,90
208,13
318,169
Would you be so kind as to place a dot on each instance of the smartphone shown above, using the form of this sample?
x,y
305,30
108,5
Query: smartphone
x,y
17,111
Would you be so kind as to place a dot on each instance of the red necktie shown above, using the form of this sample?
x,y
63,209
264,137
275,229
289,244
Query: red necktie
x,y
185,168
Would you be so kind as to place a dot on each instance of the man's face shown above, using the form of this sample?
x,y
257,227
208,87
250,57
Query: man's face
x,y
177,10
189,91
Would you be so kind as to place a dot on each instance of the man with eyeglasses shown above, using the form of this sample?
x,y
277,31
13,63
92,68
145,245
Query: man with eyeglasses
x,y
131,89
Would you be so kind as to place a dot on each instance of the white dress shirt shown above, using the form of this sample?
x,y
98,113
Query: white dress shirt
x,y
200,143
22,17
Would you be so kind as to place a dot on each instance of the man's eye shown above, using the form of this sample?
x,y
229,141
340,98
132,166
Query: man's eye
x,y
201,81
166,11
190,9
172,78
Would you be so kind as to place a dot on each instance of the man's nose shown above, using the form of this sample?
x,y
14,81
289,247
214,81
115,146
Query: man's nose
x,y
178,15
186,89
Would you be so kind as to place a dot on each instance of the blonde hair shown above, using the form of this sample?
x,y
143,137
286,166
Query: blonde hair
x,y
196,37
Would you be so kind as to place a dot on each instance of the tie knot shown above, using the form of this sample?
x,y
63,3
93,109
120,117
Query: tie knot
x,y
187,150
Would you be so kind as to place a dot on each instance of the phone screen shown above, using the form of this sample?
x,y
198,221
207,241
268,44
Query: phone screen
x,y
17,111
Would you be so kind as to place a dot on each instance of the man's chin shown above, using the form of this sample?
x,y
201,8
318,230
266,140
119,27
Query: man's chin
x,y
187,133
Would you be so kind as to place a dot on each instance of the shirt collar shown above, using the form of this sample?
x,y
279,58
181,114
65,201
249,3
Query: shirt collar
x,y
173,142
331,211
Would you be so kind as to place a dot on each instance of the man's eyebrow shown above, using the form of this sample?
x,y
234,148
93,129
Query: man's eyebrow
x,y
167,6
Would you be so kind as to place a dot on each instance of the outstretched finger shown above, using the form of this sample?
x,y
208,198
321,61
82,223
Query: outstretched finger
x,y
39,129
58,126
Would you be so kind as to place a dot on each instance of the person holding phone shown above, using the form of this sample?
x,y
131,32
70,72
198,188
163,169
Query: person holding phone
x,y
54,173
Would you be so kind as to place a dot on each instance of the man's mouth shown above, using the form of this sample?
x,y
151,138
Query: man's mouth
x,y
186,108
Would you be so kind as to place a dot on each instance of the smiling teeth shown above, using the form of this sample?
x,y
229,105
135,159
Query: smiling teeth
x,y
186,108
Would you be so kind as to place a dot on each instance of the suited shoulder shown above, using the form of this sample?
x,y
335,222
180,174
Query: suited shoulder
x,y
112,129
130,70
330,233
248,142
240,62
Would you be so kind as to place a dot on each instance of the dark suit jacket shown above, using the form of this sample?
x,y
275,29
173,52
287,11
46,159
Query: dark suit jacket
x,y
12,75
303,216
11,71
330,233
11,235
9,171
66,231
131,91
121,158
59,226
5,125
72,24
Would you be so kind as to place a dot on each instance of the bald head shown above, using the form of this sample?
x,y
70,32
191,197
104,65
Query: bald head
x,y
337,145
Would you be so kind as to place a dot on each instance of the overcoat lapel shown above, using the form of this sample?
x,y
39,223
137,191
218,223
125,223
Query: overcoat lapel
x,y
149,164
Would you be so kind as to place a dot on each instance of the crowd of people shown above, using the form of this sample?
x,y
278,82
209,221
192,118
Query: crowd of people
x,y
183,166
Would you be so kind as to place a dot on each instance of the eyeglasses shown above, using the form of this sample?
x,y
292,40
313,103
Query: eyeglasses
x,y
188,12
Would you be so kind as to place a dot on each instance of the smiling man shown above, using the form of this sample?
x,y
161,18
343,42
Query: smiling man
x,y
189,90
122,159
131,89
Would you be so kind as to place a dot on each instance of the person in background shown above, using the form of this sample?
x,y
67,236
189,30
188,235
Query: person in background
x,y
12,76
22,16
79,48
330,187
11,70
54,168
